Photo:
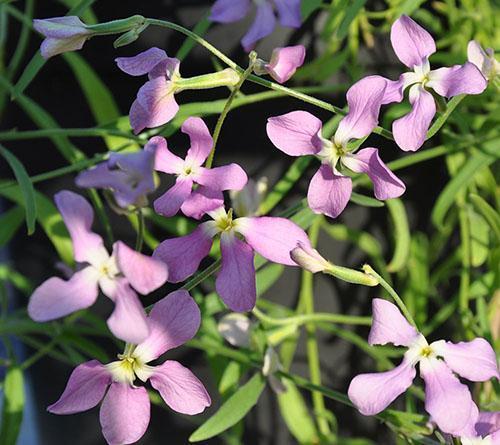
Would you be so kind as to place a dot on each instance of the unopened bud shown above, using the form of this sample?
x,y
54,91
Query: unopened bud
x,y
309,259
235,328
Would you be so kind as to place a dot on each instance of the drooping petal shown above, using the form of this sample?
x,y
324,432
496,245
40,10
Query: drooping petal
x,y
144,274
386,184
273,238
85,389
168,69
124,414
171,201
389,325
201,201
285,61
139,117
78,217
56,298
235,282
372,393
52,47
263,25
443,391
289,13
141,63
474,360
228,11
226,177
165,160
173,321
180,388
484,60
201,140
297,133
458,79
235,329
412,43
329,192
364,99
410,131
488,423
157,99
183,255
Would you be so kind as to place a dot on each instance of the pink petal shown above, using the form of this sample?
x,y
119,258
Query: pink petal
x,y
393,90
227,11
183,255
297,133
386,184
389,325
171,201
410,131
144,274
262,26
488,423
329,192
52,47
156,97
85,389
235,282
289,13
180,388
227,177
124,414
372,393
448,401
56,298
142,63
458,79
285,61
165,160
78,216
364,99
173,321
273,238
201,201
478,56
139,117
201,140
412,43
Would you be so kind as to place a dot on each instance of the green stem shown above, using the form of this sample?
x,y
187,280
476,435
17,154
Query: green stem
x,y
465,236
317,317
140,230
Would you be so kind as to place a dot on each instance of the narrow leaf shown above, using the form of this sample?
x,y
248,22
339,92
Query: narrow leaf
x,y
13,406
9,223
401,235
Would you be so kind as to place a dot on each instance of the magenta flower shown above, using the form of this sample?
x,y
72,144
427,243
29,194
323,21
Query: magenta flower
x,y
284,62
447,400
56,298
125,408
413,45
299,133
228,11
189,171
129,176
271,237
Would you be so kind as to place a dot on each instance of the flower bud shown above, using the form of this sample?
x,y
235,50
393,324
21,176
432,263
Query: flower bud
x,y
284,62
309,259
235,328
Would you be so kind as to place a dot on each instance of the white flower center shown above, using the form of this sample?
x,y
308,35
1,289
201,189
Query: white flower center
x,y
128,367
331,152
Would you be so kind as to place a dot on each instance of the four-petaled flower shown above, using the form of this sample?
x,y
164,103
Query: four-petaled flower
x,y
283,64
447,400
125,408
114,274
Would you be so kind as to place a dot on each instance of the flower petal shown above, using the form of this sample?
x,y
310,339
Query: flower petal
x,y
61,27
201,201
171,201
139,117
410,131
289,13
235,329
263,25
201,140
56,298
412,43
478,56
124,414
141,63
386,184
228,11
173,321
372,393
329,192
85,389
235,282
52,47
165,160
458,79
297,133
226,177
157,99
285,61
488,423
273,238
180,388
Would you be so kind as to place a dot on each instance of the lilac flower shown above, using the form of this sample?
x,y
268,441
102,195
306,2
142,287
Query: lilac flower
x,y
189,171
447,400
299,133
129,175
413,45
125,408
271,237
228,11
284,62
115,275
484,60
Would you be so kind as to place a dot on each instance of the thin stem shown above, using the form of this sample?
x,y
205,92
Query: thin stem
x,y
317,317
140,230
202,276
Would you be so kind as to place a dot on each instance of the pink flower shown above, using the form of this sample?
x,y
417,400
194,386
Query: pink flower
x,y
299,133
413,45
284,62
125,408
115,275
271,237
228,11
447,400
189,171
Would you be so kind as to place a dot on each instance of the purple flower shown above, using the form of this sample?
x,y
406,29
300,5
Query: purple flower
x,y
115,275
271,237
125,408
483,59
413,45
228,11
299,133
129,175
447,400
284,62
189,171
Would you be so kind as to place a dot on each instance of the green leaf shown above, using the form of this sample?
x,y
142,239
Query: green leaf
x,y
9,223
480,236
232,411
26,187
308,7
488,212
401,235
13,406
350,14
